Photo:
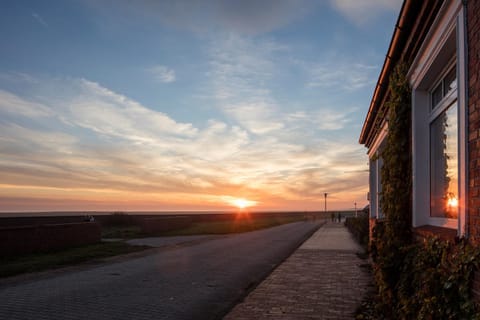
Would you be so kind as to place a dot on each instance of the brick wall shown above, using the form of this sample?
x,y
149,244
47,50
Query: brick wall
x,y
473,38
29,239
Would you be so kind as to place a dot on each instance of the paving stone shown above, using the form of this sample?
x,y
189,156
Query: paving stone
x,y
321,280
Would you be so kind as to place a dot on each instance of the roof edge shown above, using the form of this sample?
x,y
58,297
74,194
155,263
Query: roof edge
x,y
393,52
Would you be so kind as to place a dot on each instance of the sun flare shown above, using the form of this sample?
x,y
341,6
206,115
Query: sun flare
x,y
452,202
243,203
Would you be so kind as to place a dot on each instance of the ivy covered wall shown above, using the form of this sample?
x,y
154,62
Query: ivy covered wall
x,y
431,279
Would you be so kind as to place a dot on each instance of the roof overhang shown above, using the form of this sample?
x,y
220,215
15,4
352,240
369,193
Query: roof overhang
x,y
413,23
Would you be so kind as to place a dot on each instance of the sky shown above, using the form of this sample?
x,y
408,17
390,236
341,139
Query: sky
x,y
187,105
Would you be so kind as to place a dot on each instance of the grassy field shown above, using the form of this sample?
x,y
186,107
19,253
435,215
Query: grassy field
x,y
232,226
242,224
10,266
122,232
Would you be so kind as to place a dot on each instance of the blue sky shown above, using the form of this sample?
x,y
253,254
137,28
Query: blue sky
x,y
171,105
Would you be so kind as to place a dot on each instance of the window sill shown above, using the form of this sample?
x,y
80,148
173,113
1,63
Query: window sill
x,y
446,234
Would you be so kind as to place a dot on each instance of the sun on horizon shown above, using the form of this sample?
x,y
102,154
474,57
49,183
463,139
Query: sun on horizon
x,y
242,203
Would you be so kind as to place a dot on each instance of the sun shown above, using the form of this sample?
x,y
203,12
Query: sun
x,y
242,203
452,202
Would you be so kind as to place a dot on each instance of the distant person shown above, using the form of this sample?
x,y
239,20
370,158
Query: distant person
x,y
339,216
333,216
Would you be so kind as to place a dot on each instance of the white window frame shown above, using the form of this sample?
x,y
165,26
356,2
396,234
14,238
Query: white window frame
x,y
376,163
446,102
446,34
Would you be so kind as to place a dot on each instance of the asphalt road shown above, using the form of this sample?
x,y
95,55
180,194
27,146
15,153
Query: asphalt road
x,y
197,280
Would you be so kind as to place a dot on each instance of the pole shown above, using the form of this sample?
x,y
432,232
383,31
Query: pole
x,y
325,194
356,210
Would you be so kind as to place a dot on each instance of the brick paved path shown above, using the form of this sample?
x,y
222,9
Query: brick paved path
x,y
321,280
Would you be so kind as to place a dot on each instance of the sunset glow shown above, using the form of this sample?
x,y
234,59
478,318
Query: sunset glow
x,y
243,203
188,106
452,202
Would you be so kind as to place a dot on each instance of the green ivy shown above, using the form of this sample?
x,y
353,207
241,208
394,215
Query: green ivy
x,y
393,235
430,280
396,170
435,281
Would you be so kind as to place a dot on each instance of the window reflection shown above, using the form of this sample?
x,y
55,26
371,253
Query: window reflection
x,y
450,81
437,95
444,164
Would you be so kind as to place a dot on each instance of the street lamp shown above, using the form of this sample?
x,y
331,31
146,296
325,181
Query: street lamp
x,y
325,194
355,209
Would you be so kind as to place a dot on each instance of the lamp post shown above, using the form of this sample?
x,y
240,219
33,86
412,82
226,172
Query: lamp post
x,y
325,194
356,209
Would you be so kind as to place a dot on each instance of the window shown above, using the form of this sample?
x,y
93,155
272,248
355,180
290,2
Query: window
x,y
437,78
376,163
444,148
444,88
444,164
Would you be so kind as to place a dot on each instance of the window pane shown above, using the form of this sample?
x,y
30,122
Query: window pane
x,y
450,81
444,164
437,95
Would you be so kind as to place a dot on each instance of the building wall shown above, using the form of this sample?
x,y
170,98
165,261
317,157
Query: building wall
x,y
473,34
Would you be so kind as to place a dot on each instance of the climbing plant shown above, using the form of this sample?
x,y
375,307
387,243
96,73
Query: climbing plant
x,y
429,280
396,171
393,235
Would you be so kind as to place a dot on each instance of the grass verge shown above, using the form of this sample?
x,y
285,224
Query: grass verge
x,y
242,224
10,266
122,232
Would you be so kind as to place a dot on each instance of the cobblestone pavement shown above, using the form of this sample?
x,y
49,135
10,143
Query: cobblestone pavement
x,y
200,280
323,279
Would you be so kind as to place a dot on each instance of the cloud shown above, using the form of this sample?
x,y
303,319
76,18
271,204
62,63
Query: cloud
x,y
254,17
342,75
96,145
324,118
39,19
162,73
241,70
258,118
246,17
12,104
105,140
107,112
364,11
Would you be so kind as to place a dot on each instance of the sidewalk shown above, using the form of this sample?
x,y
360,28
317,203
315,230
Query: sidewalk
x,y
321,280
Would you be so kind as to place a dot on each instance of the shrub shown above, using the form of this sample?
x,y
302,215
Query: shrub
x,y
358,226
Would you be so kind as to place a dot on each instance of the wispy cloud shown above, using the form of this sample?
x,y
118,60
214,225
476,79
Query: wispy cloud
x,y
245,17
342,75
39,19
162,73
97,145
361,12
12,104
241,70
324,119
